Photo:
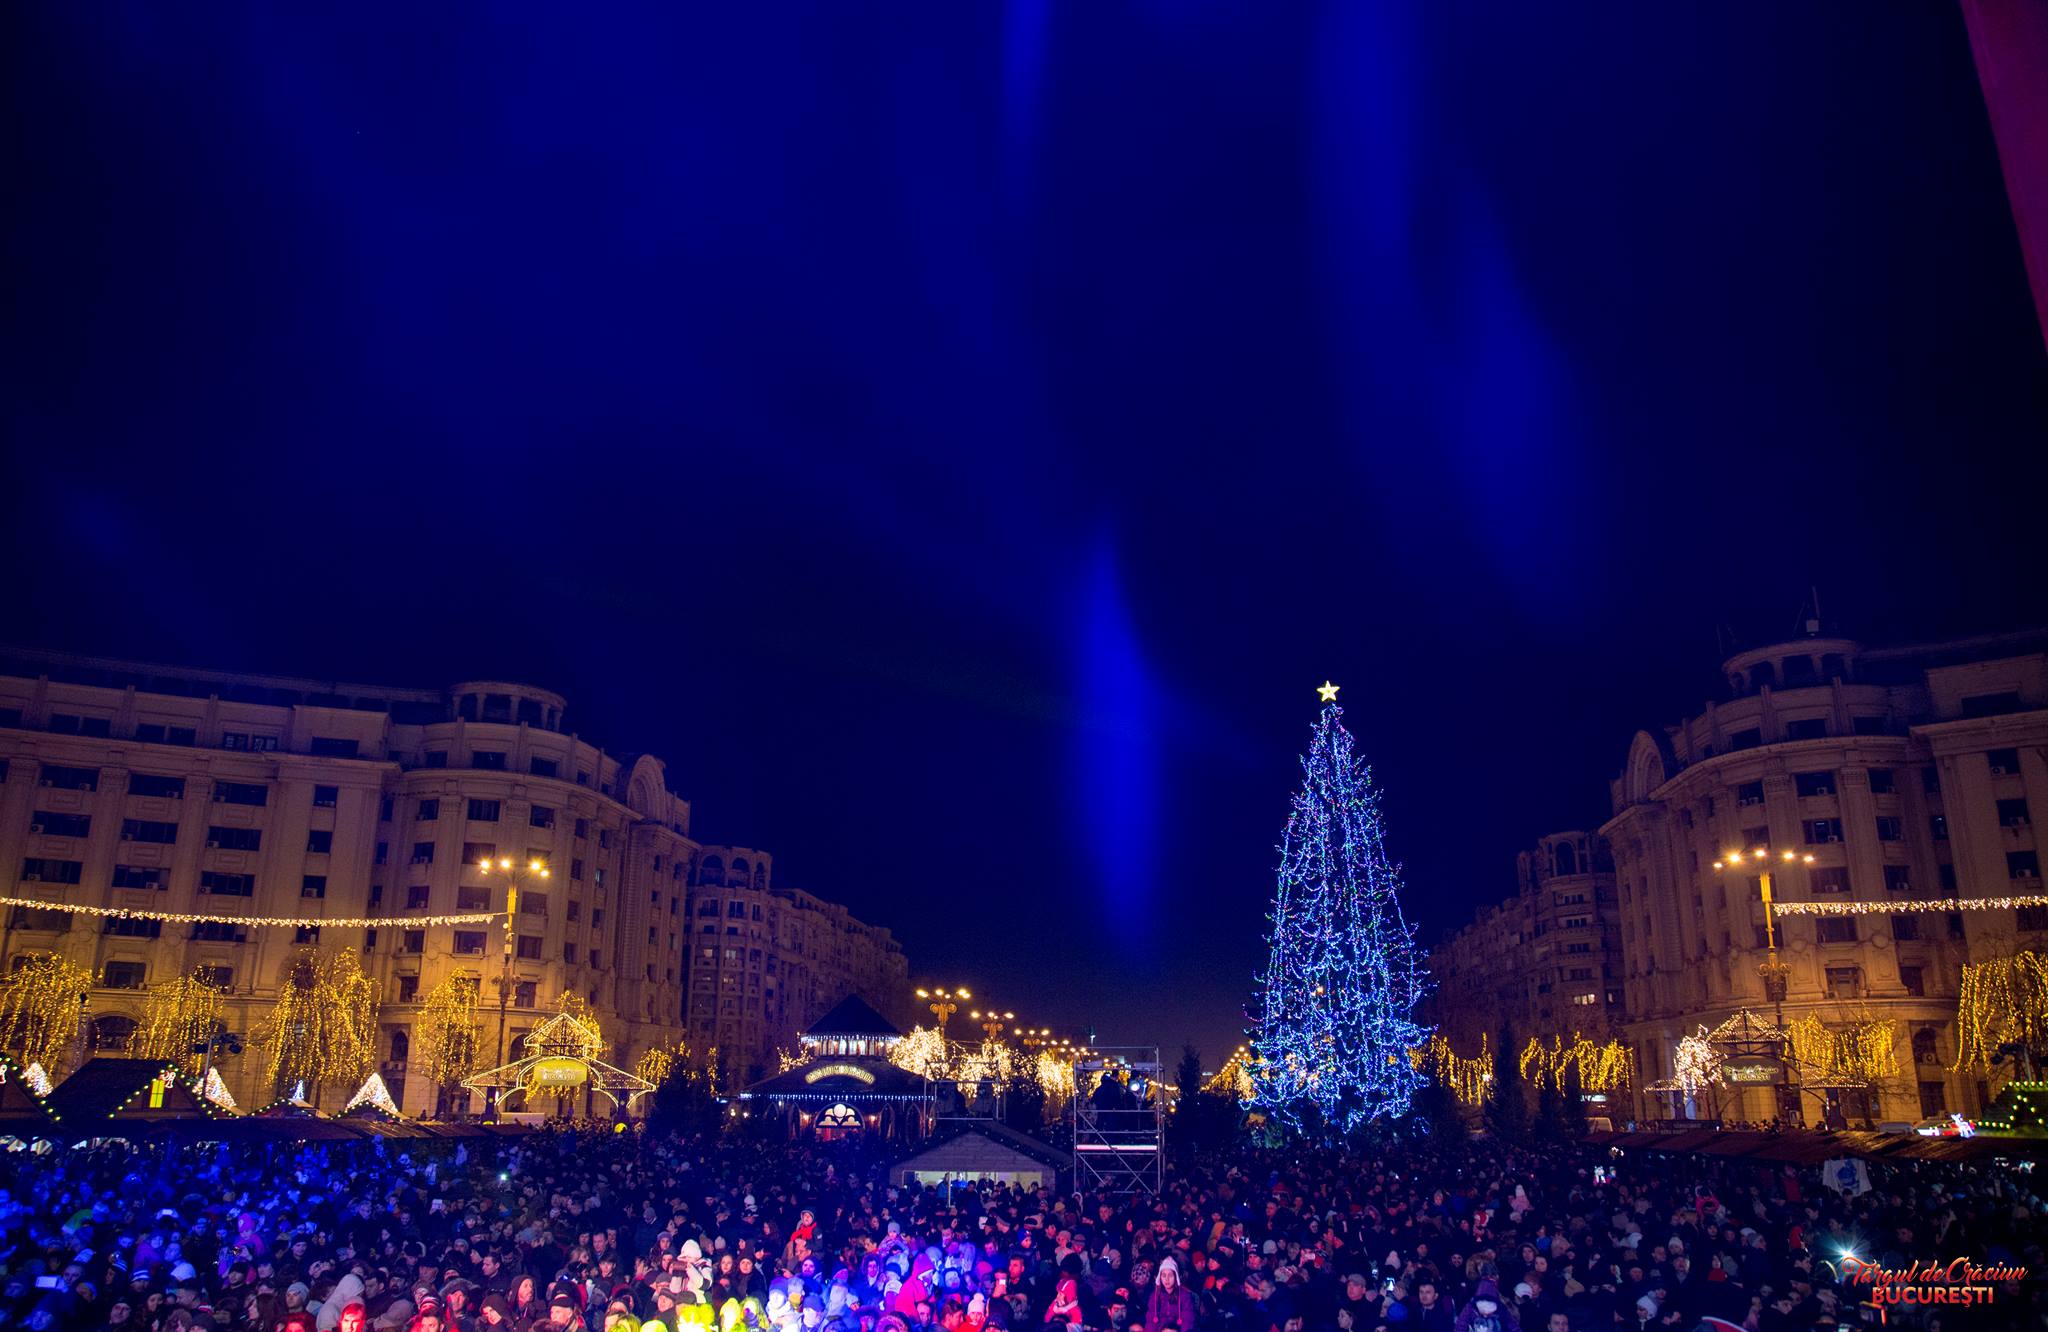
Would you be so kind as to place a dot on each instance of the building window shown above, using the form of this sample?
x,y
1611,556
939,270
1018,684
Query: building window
x,y
227,885
1835,929
2032,918
573,910
218,931
2012,813
1844,983
1825,879
1814,783
1945,875
1890,828
469,943
235,839
128,927
1883,782
1992,705
575,868
383,852
408,989
1820,831
477,853
1756,839
430,811
1938,825
434,758
2022,865
1905,928
158,788
141,876
540,816
544,767
70,779
1749,793
319,842
582,829
384,809
596,919
125,976
1913,978
490,760
160,733
604,837
1898,879
2004,762
331,746
422,853
412,941
416,897
469,898
326,797
147,830
533,904
526,994
483,811
596,960
569,953
313,885
240,793
306,934
1746,739
528,946
1807,728
1933,1099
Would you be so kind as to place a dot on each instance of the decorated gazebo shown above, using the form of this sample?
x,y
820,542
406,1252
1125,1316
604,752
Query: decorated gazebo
x,y
846,1085
561,1058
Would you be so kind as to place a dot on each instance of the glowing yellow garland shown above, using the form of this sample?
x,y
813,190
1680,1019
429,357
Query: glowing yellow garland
x,y
177,1019
1602,1068
1903,908
250,922
449,1034
1467,1078
1862,1052
2003,1000
922,1052
323,1027
1056,1080
39,1008
1696,1064
655,1066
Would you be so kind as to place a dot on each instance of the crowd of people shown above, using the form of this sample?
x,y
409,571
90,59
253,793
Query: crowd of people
x,y
654,1232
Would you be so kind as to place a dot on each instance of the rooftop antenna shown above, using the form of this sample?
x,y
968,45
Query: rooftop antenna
x,y
1813,622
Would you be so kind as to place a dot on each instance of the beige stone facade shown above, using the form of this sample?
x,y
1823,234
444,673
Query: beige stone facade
x,y
1906,773
1547,959
216,793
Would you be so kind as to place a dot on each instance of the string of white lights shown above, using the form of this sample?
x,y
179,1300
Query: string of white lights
x,y
259,922
1943,904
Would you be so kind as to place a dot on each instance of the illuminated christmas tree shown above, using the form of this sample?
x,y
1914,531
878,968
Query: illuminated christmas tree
x,y
1337,1000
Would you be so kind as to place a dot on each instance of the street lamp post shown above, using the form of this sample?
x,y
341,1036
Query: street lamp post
x,y
1776,975
992,1021
516,878
943,1002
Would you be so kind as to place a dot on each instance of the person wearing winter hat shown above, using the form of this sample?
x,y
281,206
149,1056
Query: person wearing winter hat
x,y
1171,1303
1486,1312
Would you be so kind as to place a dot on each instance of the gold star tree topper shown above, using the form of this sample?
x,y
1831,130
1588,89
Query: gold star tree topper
x,y
1327,691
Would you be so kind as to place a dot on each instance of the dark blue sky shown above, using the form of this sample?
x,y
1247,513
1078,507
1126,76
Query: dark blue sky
x,y
957,437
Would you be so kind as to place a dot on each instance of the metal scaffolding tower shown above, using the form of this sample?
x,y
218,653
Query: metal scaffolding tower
x,y
1118,1119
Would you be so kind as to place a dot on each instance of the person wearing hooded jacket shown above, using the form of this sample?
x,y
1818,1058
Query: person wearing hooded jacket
x,y
1486,1311
1171,1303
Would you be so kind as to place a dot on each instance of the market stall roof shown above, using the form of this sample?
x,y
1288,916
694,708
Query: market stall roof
x,y
841,1078
129,1091
968,1147
852,1016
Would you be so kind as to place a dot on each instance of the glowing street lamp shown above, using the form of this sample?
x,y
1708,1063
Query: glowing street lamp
x,y
992,1021
1776,975
516,877
943,1002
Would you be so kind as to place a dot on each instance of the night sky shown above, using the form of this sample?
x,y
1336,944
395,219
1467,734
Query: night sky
x,y
958,437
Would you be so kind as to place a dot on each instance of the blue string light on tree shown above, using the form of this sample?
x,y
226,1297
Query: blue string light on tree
x,y
1337,1000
